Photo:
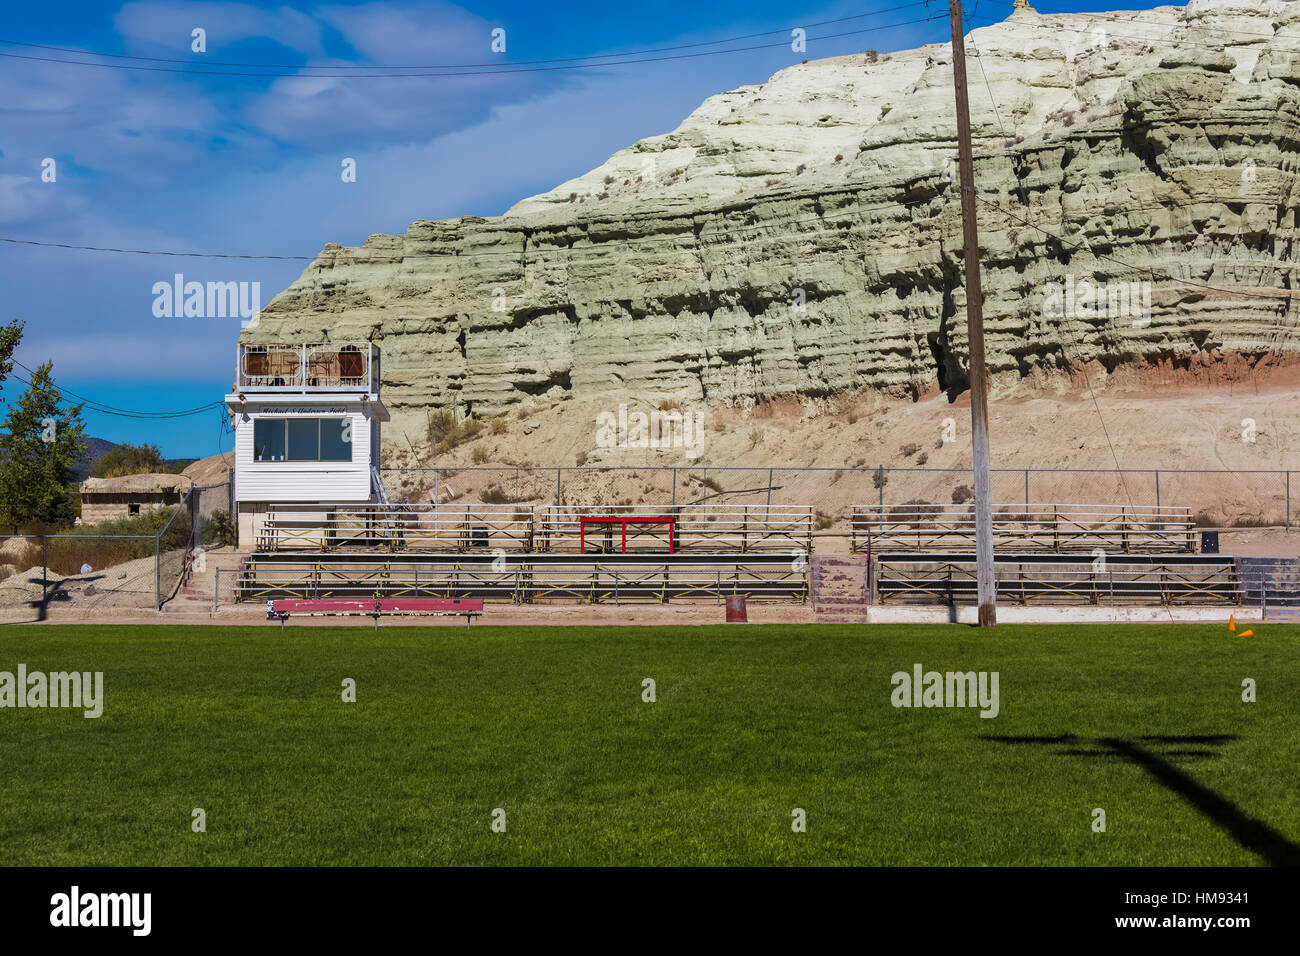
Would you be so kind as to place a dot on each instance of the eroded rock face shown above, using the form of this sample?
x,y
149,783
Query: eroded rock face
x,y
804,236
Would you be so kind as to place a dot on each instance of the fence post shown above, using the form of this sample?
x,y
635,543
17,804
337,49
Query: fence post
x,y
880,473
1288,501
771,473
1157,493
45,573
557,486
674,486
1026,499
196,518
157,572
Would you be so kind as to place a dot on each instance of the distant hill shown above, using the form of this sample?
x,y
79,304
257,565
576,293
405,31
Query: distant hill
x,y
96,448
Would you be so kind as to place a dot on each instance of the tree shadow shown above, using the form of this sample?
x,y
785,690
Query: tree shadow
x,y
55,591
1250,834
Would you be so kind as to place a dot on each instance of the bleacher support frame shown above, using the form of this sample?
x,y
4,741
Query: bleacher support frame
x,y
938,578
1046,527
525,579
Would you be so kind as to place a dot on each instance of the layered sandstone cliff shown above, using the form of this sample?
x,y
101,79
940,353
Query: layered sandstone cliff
x,y
804,236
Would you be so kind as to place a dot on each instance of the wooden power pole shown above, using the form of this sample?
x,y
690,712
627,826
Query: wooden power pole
x,y
979,388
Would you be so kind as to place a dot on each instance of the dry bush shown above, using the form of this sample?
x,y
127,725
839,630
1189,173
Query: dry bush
x,y
445,433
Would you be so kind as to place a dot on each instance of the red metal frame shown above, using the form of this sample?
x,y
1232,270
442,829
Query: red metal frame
x,y
624,521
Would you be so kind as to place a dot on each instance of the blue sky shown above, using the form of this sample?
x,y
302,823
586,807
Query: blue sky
x,y
157,160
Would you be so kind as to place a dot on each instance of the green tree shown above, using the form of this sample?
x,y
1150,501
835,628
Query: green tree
x,y
10,335
130,460
41,445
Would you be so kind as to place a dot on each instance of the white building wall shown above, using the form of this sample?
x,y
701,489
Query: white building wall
x,y
284,481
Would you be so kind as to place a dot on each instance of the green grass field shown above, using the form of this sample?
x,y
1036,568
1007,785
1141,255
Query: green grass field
x,y
750,722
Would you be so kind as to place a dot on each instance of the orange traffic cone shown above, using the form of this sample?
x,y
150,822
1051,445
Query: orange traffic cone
x,y
1232,622
1248,632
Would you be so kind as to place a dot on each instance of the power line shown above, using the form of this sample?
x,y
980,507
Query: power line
x,y
536,254
1086,377
109,409
540,255
491,72
457,66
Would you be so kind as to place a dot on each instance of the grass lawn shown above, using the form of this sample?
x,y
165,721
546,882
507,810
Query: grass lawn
x,y
1146,722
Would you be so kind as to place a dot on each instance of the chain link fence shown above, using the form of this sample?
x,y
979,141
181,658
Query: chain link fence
x,y
1217,498
84,569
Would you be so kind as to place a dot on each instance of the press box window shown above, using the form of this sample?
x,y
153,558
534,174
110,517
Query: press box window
x,y
302,439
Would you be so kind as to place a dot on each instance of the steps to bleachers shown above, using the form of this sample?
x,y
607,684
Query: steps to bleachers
x,y
840,591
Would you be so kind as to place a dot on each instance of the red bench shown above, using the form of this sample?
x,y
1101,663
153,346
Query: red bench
x,y
282,610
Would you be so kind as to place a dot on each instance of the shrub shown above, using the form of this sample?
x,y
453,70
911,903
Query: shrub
x,y
923,459
480,455
962,494
822,521
879,479
219,529
710,483
908,450
445,433
132,460
839,157
494,494
500,426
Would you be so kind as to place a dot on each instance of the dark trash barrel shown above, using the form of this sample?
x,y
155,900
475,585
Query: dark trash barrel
x,y
736,609
1209,542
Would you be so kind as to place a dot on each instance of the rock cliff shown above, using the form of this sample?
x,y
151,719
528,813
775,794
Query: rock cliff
x,y
1137,178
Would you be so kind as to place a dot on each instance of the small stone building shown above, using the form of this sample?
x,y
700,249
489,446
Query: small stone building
x,y
109,499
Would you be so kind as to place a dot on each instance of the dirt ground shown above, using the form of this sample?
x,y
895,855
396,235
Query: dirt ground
x,y
1160,419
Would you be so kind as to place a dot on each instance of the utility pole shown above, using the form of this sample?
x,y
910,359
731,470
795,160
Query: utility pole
x,y
979,389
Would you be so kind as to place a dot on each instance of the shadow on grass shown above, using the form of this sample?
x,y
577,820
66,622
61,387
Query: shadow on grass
x,y
1251,834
